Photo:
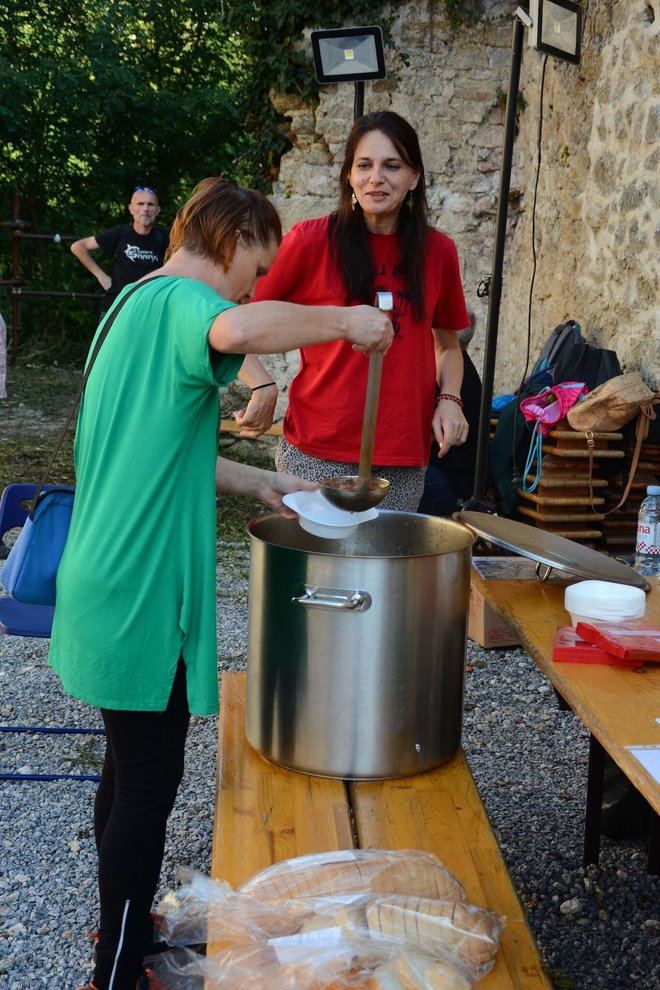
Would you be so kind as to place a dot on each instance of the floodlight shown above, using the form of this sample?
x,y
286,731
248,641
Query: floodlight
x,y
556,28
348,54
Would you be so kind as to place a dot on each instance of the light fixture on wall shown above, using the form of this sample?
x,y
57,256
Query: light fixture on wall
x,y
555,28
349,55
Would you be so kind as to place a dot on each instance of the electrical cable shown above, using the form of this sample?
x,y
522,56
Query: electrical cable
x,y
516,478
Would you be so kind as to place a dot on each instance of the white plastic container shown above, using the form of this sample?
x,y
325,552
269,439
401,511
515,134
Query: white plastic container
x,y
603,601
321,518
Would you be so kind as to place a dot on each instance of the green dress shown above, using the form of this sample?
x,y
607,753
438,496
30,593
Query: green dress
x,y
136,584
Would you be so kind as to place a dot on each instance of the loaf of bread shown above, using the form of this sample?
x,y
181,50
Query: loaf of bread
x,y
454,930
404,871
385,977
418,972
351,964
260,966
316,922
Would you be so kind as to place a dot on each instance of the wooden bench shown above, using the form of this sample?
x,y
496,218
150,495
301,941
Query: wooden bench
x,y
265,814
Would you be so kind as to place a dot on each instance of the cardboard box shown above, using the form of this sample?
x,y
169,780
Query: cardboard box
x,y
485,626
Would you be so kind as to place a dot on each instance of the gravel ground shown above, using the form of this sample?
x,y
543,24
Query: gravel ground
x,y
597,928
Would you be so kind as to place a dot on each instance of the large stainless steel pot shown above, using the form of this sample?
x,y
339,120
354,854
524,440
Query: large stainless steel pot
x,y
356,647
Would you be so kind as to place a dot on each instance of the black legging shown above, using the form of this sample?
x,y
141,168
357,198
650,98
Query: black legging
x,y
140,778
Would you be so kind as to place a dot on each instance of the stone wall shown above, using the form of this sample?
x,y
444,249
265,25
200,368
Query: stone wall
x,y
596,220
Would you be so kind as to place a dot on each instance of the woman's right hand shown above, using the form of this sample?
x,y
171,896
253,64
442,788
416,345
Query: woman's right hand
x,y
369,329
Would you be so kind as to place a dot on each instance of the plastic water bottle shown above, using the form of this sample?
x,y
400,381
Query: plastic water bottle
x,y
647,549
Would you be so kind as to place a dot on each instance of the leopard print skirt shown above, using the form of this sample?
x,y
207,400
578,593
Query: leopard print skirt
x,y
406,483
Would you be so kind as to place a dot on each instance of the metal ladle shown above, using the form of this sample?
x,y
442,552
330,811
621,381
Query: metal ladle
x,y
359,493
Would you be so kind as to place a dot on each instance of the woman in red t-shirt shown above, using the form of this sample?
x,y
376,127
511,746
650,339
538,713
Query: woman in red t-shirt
x,y
378,240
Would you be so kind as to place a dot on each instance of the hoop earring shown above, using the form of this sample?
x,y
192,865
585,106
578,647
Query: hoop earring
x,y
353,200
410,202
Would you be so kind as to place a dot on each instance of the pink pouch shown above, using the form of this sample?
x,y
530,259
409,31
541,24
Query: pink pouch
x,y
552,404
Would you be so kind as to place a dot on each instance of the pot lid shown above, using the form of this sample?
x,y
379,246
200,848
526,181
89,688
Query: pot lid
x,y
550,550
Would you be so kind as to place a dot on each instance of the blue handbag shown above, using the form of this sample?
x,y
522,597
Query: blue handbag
x,y
30,570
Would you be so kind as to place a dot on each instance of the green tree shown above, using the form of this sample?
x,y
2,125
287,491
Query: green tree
x,y
96,98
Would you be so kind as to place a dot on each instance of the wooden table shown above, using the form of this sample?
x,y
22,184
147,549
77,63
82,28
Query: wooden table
x,y
265,813
619,706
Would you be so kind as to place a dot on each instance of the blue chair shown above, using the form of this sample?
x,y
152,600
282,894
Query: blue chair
x,y
19,619
16,618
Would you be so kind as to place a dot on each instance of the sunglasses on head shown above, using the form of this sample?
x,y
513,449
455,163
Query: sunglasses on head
x,y
144,189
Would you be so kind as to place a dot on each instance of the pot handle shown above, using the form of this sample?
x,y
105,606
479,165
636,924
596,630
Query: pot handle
x,y
315,597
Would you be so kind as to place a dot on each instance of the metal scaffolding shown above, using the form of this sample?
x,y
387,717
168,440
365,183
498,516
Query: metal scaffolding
x,y
20,232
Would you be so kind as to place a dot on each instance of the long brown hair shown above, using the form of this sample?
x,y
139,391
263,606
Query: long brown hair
x,y
348,232
216,213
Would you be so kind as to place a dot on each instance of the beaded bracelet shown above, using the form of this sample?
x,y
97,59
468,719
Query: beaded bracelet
x,y
265,385
452,398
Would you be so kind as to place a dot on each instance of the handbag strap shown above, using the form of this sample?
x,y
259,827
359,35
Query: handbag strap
x,y
110,319
644,419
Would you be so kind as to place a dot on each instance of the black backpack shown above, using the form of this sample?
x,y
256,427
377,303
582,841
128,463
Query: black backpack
x,y
569,358
565,357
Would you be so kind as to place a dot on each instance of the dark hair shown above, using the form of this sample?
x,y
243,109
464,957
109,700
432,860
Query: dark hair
x,y
217,211
348,232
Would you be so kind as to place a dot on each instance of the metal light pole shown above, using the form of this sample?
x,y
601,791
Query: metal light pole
x,y
555,28
495,287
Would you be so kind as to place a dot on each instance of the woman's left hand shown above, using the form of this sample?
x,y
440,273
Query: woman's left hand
x,y
257,417
449,426
276,485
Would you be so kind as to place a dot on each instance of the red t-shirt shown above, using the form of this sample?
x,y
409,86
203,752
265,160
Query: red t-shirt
x,y
326,398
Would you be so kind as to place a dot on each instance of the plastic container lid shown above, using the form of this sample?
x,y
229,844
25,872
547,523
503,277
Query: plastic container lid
x,y
604,600
653,489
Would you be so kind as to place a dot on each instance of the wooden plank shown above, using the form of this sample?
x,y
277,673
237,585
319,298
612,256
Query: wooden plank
x,y
579,435
559,517
231,426
577,454
441,812
559,500
263,813
564,481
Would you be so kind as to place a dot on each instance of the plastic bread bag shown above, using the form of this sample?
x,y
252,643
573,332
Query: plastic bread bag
x,y
381,871
333,960
279,964
204,910
462,934
177,969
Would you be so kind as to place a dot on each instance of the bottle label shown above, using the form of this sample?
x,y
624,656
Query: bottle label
x,y
648,538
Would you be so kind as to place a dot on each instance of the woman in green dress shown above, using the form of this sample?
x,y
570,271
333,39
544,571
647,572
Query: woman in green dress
x,y
135,621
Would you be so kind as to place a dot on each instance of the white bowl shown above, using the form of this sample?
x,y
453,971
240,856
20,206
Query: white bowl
x,y
603,601
321,518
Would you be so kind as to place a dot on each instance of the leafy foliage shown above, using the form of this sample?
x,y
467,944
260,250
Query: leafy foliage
x,y
96,98
462,11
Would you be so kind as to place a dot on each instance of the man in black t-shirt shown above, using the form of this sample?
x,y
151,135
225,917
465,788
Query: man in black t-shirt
x,y
137,248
